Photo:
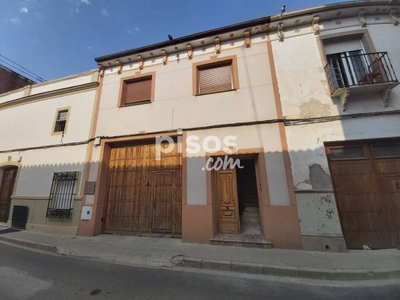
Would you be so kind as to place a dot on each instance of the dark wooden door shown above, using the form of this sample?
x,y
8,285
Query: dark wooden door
x,y
228,207
6,190
144,194
367,190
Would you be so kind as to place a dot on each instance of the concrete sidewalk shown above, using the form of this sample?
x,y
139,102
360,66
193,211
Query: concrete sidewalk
x,y
169,252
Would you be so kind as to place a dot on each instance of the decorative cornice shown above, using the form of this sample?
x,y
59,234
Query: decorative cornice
x,y
315,25
319,10
280,33
119,64
247,38
217,42
394,16
361,18
189,50
141,62
102,70
164,56
50,94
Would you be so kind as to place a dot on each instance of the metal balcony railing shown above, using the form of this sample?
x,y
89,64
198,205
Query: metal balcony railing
x,y
352,68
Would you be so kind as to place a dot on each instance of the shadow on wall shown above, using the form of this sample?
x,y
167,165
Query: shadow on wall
x,y
315,199
33,185
37,188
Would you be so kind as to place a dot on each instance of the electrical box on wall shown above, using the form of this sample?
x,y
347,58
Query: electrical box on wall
x,y
90,187
86,213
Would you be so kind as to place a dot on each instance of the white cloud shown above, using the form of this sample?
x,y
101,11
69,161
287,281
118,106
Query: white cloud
x,y
24,10
131,31
89,48
87,2
104,12
15,20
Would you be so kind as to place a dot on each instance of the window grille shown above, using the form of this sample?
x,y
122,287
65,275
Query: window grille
x,y
62,195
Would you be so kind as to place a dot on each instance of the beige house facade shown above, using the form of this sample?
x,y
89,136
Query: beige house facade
x,y
203,121
278,132
45,131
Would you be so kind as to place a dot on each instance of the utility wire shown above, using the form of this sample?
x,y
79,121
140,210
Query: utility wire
x,y
286,122
21,69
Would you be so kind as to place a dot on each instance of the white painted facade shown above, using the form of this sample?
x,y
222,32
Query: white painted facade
x,y
27,118
305,94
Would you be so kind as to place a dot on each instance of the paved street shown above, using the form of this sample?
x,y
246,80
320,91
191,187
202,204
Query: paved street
x,y
31,275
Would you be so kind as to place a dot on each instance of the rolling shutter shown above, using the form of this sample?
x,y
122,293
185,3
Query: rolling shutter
x,y
138,90
217,78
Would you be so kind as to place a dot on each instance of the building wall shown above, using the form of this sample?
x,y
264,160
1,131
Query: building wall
x,y
27,122
176,107
9,80
305,94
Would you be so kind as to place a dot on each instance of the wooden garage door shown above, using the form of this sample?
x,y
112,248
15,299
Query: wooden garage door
x,y
366,179
144,195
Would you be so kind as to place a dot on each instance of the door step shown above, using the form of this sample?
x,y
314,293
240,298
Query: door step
x,y
241,240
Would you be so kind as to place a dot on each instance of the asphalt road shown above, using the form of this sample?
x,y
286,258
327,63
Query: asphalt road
x,y
26,274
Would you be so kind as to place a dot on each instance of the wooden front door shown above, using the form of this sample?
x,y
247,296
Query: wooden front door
x,y
144,194
6,190
228,206
366,179
163,201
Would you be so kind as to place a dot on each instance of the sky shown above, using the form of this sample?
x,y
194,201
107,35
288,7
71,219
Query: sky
x,y
57,38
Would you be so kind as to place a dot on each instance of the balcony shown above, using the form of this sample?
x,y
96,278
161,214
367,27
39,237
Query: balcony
x,y
352,73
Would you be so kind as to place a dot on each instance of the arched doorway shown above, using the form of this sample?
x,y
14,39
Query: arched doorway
x,y
6,190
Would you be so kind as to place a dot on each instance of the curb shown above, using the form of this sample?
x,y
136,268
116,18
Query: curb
x,y
35,245
288,271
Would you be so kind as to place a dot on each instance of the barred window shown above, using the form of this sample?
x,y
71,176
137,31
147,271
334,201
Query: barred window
x,y
61,120
62,195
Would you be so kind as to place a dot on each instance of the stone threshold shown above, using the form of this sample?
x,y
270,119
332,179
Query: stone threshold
x,y
241,240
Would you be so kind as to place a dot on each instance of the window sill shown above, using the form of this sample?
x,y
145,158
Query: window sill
x,y
215,92
58,132
135,103
59,213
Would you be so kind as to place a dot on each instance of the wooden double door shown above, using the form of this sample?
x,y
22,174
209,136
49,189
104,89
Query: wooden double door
x,y
6,190
144,194
366,178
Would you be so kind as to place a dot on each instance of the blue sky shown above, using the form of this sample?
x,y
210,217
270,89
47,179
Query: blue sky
x,y
56,38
